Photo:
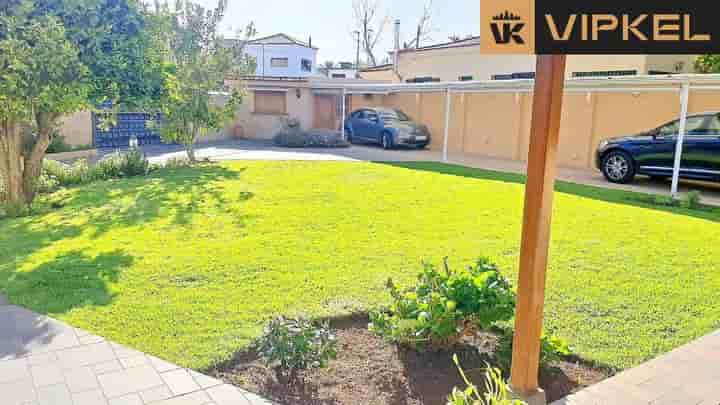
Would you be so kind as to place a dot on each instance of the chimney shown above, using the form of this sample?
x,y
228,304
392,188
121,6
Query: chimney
x,y
396,54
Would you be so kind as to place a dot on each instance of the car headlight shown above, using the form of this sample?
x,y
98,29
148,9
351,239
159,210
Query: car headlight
x,y
603,144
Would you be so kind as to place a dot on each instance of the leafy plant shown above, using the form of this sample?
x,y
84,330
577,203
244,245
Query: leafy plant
x,y
293,344
552,348
126,164
692,200
496,392
444,306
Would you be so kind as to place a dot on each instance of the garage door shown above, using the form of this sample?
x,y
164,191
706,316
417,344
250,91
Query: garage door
x,y
128,125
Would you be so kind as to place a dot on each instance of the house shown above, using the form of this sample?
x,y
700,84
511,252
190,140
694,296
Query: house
x,y
281,55
461,60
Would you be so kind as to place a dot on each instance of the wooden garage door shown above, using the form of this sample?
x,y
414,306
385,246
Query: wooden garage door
x,y
325,111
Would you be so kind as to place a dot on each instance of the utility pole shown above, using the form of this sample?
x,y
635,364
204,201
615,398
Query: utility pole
x,y
357,53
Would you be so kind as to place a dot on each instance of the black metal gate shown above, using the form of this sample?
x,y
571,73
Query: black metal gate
x,y
128,125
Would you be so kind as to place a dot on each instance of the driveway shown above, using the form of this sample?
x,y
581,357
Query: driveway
x,y
265,150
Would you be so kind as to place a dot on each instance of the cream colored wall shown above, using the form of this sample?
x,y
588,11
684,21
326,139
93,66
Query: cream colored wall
x,y
497,125
77,128
601,63
667,63
380,75
449,64
249,124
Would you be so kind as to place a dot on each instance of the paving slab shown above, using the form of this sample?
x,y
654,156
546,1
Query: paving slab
x,y
46,362
688,375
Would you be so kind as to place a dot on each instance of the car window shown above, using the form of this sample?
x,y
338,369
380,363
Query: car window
x,y
371,115
705,125
394,115
670,129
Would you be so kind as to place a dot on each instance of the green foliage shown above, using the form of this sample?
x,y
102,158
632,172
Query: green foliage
x,y
552,348
497,391
58,145
42,74
128,164
708,64
692,200
443,306
200,63
296,344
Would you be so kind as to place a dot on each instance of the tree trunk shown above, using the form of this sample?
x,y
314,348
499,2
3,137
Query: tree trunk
x,y
34,160
20,169
12,165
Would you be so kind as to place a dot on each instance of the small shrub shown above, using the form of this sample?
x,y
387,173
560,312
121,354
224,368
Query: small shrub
x,y
57,174
176,163
692,200
128,164
444,306
552,348
496,392
58,145
296,344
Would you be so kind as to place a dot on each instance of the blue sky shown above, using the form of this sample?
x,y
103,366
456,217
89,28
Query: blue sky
x,y
330,22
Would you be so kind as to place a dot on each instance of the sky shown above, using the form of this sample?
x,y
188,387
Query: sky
x,y
330,22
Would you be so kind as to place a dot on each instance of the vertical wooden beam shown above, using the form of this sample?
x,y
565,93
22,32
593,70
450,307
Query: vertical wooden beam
x,y
544,134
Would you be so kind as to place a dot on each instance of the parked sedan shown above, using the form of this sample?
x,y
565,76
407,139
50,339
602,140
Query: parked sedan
x,y
652,153
388,127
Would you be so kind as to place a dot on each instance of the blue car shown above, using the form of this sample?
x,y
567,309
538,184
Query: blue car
x,y
388,127
652,153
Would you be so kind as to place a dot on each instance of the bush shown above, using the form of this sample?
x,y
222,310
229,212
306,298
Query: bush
x,y
496,392
56,174
692,200
58,145
552,348
444,306
296,344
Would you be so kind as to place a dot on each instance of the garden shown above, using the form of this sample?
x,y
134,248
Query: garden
x,y
191,263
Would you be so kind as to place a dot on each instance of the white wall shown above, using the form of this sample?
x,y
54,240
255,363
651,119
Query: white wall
x,y
295,53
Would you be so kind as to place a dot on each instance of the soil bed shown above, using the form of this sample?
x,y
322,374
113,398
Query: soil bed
x,y
370,371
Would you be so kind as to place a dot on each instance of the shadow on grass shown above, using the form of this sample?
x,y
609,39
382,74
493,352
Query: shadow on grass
x,y
597,193
73,279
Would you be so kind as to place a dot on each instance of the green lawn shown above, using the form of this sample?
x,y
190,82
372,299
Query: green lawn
x,y
189,263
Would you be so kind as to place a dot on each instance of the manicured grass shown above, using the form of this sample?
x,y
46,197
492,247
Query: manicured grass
x,y
189,263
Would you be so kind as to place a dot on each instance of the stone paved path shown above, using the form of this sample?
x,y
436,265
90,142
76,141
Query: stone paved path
x,y
689,375
46,362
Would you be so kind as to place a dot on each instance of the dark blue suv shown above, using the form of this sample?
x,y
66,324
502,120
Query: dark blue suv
x,y
652,153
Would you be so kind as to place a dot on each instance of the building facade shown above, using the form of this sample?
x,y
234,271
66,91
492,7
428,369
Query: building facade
x,y
280,55
462,61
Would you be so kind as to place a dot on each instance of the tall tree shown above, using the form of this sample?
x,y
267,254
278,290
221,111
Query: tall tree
x,y
202,62
41,78
370,25
708,64
424,26
58,57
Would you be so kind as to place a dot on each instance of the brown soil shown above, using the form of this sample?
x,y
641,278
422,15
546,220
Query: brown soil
x,y
369,371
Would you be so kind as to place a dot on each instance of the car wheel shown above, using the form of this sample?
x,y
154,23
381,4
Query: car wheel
x,y
348,136
618,167
386,141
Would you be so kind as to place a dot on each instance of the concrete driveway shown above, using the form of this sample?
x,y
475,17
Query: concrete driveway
x,y
265,150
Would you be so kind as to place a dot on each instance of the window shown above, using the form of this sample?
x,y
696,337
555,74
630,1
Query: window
x,y
270,102
607,73
279,62
393,115
339,76
465,78
703,125
670,129
371,116
514,76
305,65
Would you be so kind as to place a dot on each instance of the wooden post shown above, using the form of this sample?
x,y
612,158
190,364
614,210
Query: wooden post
x,y
544,134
